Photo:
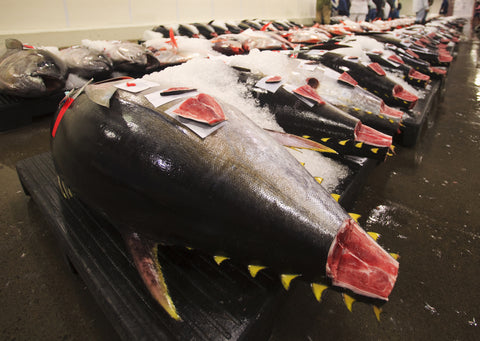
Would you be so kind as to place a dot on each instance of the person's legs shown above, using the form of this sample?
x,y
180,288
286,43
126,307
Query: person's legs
x,y
420,16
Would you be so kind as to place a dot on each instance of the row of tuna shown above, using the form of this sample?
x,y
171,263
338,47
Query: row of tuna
x,y
205,154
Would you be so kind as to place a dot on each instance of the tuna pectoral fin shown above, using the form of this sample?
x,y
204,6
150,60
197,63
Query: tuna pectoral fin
x,y
294,141
144,254
356,262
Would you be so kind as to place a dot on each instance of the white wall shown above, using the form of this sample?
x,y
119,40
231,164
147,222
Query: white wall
x,y
66,22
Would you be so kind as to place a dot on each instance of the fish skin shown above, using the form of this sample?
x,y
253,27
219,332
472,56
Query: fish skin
x,y
132,58
30,72
87,63
236,193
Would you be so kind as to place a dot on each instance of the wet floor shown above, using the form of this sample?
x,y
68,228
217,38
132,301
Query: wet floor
x,y
424,203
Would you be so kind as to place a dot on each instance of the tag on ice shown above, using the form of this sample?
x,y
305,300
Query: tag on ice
x,y
201,129
157,100
307,65
136,85
271,87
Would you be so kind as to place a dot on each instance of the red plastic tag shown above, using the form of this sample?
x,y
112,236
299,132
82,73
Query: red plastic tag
x,y
63,109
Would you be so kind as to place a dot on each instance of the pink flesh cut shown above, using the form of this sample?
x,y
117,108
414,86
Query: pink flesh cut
x,y
401,93
396,59
346,78
274,79
202,108
377,68
389,111
418,75
444,57
308,92
356,262
371,136
438,71
411,53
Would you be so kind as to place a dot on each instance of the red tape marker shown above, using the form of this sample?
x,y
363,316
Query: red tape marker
x,y
64,108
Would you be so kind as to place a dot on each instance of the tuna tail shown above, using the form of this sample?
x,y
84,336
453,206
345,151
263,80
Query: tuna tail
x,y
357,262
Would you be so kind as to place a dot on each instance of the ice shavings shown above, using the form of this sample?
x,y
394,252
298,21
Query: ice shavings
x,y
319,166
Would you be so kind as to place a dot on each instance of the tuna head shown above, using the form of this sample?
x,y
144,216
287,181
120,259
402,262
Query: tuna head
x,y
235,193
87,63
30,72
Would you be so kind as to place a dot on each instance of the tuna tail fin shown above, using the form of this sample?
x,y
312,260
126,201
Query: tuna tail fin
x,y
297,142
144,254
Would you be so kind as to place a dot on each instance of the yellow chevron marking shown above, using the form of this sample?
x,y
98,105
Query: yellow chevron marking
x,y
369,112
348,300
220,259
391,121
381,116
377,312
344,142
319,180
386,95
359,145
395,255
254,269
286,279
356,109
374,150
354,216
189,248
374,235
305,136
335,196
325,139
318,290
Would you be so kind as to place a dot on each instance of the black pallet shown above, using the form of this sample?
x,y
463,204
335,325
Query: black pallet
x,y
17,111
216,302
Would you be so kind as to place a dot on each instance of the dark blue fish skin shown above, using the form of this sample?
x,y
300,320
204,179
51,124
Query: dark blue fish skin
x,y
146,172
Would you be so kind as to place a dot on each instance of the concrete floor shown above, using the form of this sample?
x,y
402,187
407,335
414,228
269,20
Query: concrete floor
x,y
424,201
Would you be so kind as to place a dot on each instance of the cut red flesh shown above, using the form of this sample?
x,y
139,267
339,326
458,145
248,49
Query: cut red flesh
x,y
377,68
396,59
444,57
401,93
418,75
413,54
371,136
356,262
346,78
202,108
274,79
438,71
308,92
389,111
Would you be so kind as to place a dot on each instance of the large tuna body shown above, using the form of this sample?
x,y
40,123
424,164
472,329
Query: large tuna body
x,y
235,192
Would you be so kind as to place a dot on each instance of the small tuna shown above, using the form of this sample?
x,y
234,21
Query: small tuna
x,y
30,72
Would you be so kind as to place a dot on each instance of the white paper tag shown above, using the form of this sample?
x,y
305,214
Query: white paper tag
x,y
157,100
136,85
272,87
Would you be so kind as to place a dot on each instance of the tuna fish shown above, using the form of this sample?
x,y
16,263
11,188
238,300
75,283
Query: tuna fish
x,y
371,77
87,63
234,193
29,72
